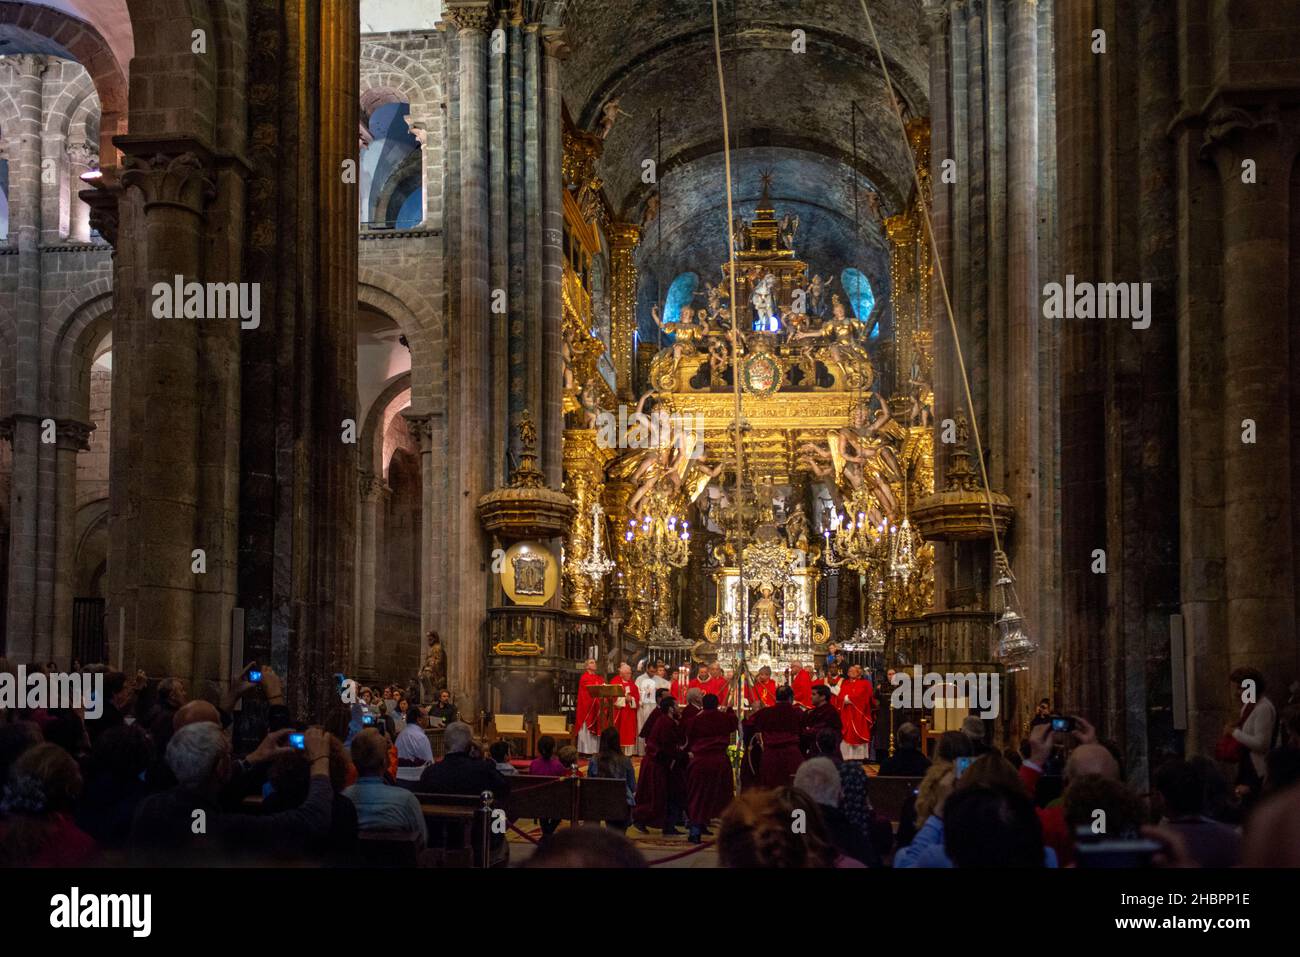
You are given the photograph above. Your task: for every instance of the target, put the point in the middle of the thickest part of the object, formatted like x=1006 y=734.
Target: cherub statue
x=589 y=399
x=817 y=289
x=608 y=114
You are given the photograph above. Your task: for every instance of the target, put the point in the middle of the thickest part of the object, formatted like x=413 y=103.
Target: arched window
x=392 y=171
x=680 y=293
x=861 y=299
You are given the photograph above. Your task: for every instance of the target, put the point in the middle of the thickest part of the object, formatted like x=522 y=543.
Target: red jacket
x=1056 y=833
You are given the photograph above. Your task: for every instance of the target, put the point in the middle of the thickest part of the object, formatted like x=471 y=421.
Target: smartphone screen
x=298 y=741
x=255 y=676
x=1062 y=724
x=962 y=764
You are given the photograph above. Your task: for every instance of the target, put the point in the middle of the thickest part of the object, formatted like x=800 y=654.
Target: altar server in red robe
x=661 y=787
x=858 y=713
x=763 y=691
x=709 y=781
x=823 y=714
x=586 y=717
x=801 y=681
x=625 y=708
x=779 y=726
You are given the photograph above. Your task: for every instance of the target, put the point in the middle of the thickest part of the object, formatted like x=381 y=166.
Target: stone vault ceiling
x=657 y=55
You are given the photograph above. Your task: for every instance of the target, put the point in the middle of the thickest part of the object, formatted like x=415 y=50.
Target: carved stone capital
x=83 y=154
x=421 y=426
x=28 y=64
x=1229 y=122
x=555 y=42
x=474 y=15
x=181 y=180
x=102 y=201
x=74 y=435
x=369 y=484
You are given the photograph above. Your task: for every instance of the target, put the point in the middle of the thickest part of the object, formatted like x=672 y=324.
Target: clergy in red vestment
x=709 y=783
x=625 y=708
x=857 y=702
x=586 y=717
x=779 y=726
x=661 y=787
x=717 y=684
x=701 y=680
x=823 y=714
x=801 y=681
x=763 y=690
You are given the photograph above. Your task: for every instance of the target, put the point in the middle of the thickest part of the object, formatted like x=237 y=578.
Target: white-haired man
x=819 y=778
x=166 y=828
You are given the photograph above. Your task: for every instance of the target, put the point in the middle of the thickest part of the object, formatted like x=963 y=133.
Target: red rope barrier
x=526 y=836
x=680 y=854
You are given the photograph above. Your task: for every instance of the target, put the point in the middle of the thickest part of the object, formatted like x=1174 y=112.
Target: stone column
x=369 y=487
x=471 y=403
x=429 y=430
x=81 y=159
x=73 y=437
x=533 y=162
x=172 y=191
x=24 y=138
x=1024 y=315
x=941 y=220
x=1257 y=474
x=623 y=239
x=499 y=151
x=551 y=418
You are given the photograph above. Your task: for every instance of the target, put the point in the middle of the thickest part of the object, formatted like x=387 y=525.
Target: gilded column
x=623 y=240
x=584 y=482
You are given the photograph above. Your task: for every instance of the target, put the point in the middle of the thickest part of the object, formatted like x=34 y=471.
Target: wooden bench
x=888 y=794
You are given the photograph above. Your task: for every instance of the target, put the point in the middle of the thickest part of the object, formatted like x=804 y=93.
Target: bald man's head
x=195 y=712
x=1091 y=759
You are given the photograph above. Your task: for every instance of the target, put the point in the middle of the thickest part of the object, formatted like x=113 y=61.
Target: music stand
x=605 y=695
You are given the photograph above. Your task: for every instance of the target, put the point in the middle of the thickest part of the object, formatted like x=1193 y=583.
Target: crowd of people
x=156 y=778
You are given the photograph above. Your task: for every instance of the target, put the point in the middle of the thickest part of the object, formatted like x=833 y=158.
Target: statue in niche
x=765 y=613
x=796 y=528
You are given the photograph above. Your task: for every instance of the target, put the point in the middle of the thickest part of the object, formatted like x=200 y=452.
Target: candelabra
x=661 y=544
x=597 y=564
